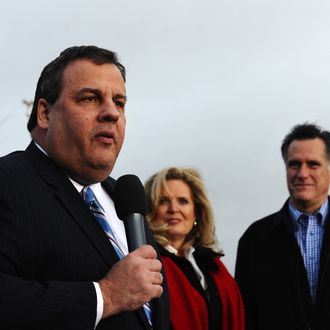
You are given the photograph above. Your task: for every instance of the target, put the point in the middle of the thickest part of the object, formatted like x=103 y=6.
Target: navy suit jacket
x=52 y=249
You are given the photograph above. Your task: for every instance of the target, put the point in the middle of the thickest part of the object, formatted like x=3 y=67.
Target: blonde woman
x=203 y=295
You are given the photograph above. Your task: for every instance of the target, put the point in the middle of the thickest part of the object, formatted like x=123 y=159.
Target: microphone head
x=130 y=196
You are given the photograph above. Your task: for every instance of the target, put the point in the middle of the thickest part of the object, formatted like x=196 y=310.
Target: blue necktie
x=99 y=214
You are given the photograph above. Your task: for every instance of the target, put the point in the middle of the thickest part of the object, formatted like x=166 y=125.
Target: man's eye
x=91 y=99
x=119 y=104
x=293 y=164
x=313 y=164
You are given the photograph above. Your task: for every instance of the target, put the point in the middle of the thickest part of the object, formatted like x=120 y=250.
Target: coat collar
x=283 y=218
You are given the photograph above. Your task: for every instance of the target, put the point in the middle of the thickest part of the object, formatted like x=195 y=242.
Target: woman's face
x=176 y=208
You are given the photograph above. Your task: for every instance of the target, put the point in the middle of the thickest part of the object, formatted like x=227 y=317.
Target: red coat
x=188 y=309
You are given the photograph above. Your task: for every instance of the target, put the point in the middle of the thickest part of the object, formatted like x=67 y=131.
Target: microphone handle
x=135 y=233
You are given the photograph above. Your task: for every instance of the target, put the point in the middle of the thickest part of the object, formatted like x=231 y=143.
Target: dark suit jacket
x=273 y=280
x=52 y=249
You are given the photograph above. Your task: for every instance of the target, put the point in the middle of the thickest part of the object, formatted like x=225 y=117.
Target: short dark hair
x=49 y=84
x=305 y=131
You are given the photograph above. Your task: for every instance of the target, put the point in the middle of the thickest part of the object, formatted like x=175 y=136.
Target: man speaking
x=64 y=262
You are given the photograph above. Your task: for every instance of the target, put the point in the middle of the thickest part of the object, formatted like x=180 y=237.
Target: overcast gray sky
x=213 y=84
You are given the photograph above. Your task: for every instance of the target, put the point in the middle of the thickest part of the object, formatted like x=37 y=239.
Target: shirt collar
x=40 y=148
x=95 y=187
x=322 y=212
x=172 y=249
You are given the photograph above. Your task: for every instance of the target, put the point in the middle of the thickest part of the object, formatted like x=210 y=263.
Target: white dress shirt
x=117 y=227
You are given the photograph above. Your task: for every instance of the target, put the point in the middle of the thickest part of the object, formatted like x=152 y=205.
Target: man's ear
x=43 y=114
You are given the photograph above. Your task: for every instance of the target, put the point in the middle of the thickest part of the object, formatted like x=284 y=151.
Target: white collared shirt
x=106 y=202
x=117 y=227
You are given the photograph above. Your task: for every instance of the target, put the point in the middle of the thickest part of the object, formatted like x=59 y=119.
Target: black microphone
x=130 y=205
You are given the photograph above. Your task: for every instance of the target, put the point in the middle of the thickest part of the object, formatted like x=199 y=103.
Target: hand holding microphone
x=135 y=279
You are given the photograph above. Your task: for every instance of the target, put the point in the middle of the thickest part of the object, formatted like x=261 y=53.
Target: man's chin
x=301 y=196
x=93 y=174
x=104 y=163
x=303 y=199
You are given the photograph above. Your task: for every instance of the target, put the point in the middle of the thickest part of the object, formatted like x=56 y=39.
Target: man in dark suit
x=282 y=264
x=58 y=268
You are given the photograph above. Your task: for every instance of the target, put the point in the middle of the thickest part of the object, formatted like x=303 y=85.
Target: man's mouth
x=302 y=185
x=105 y=137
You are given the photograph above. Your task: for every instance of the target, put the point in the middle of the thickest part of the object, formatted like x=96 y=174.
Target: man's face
x=85 y=127
x=307 y=174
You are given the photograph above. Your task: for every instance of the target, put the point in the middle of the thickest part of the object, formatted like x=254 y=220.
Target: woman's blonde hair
x=203 y=233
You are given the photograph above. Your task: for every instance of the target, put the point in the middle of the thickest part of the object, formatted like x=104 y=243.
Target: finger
x=155 y=265
x=158 y=292
x=146 y=251
x=158 y=279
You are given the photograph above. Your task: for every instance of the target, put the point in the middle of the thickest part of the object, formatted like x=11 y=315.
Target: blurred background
x=212 y=84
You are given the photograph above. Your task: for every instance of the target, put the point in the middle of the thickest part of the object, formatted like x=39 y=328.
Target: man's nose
x=303 y=171
x=109 y=112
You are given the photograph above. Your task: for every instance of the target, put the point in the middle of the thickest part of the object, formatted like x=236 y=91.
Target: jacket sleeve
x=244 y=280
x=31 y=302
x=45 y=305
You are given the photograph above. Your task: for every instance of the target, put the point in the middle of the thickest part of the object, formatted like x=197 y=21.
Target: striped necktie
x=99 y=214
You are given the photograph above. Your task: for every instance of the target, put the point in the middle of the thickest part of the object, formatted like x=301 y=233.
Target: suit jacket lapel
x=69 y=197
x=297 y=272
x=324 y=259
